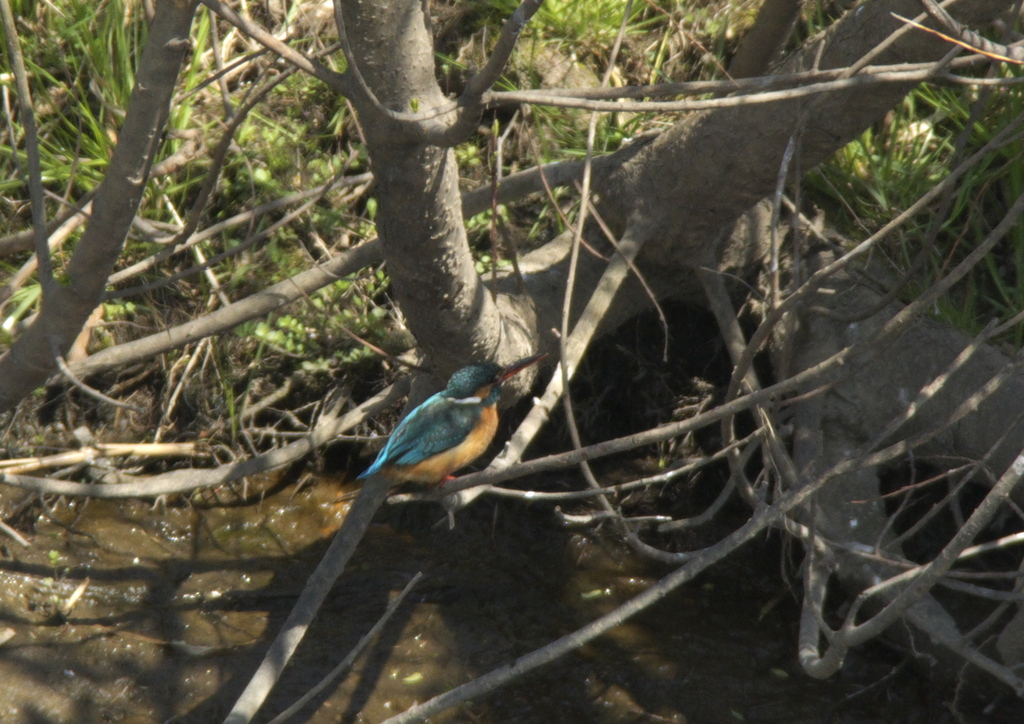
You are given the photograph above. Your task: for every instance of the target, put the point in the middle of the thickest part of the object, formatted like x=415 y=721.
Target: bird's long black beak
x=519 y=366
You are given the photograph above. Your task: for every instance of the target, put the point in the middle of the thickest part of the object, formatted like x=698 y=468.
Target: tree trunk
x=454 y=317
x=64 y=313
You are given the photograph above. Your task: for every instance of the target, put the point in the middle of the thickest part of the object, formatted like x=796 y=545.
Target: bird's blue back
x=437 y=425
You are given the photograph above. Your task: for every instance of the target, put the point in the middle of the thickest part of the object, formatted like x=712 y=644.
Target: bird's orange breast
x=437 y=467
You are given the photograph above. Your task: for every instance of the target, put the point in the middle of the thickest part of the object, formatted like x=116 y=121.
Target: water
x=182 y=600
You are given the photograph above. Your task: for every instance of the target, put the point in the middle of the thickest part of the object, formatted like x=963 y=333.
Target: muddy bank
x=177 y=603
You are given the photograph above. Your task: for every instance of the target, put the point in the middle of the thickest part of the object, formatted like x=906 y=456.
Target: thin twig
x=96 y=451
x=480 y=83
x=28 y=122
x=553 y=100
x=258 y=304
x=236 y=220
x=659 y=479
x=570 y=285
x=187 y=480
x=778 y=81
x=347 y=662
x=93 y=393
x=212 y=176
x=59 y=235
x=763 y=517
x=523 y=183
x=970 y=39
x=218 y=62
x=497 y=225
x=233 y=251
x=13 y=534
x=335 y=81
x=187 y=360
x=24 y=240
x=606 y=230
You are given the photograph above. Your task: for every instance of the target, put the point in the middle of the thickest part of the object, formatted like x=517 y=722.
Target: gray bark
x=63 y=313
x=764 y=41
x=694 y=188
x=452 y=314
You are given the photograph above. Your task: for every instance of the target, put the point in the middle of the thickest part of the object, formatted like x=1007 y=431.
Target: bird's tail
x=372 y=470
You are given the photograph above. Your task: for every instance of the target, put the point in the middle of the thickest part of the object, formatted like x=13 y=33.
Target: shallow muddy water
x=180 y=603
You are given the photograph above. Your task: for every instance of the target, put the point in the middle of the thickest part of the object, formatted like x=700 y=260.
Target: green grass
x=82 y=58
x=81 y=61
x=891 y=165
x=665 y=40
x=590 y=24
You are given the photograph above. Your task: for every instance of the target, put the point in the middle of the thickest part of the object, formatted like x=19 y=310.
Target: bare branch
x=34 y=177
x=337 y=82
x=745 y=86
x=186 y=480
x=23 y=240
x=57 y=237
x=346 y=663
x=763 y=42
x=95 y=451
x=30 y=360
x=236 y=220
x=310 y=199
x=489 y=74
x=538 y=98
x=357 y=520
x=500 y=472
x=95 y=394
x=659 y=479
x=257 y=305
x=971 y=39
x=523 y=183
x=217 y=159
x=13 y=534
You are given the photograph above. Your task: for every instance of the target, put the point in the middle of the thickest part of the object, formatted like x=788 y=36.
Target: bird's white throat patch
x=472 y=400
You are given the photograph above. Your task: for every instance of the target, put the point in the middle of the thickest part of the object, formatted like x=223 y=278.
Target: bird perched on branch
x=449 y=430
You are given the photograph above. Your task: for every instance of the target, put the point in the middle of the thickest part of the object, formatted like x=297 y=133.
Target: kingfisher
x=449 y=430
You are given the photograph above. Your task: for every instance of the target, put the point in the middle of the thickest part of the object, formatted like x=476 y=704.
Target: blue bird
x=451 y=429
